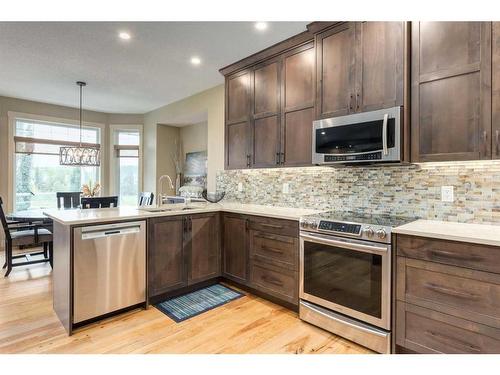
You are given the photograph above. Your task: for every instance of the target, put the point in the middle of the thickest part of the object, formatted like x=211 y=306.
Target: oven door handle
x=345 y=244
x=384 y=134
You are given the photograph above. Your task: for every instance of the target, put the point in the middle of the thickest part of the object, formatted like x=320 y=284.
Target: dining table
x=29 y=216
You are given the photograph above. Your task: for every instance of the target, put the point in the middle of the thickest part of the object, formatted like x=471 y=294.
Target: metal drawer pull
x=451 y=341
x=497 y=138
x=451 y=292
x=271 y=225
x=272 y=250
x=453 y=255
x=272 y=237
x=272 y=280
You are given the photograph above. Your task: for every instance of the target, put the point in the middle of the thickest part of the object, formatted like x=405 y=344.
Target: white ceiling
x=41 y=61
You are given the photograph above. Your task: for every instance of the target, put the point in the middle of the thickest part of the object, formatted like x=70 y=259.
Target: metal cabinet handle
x=485 y=138
x=271 y=225
x=357 y=101
x=248 y=160
x=384 y=134
x=497 y=138
x=282 y=158
x=350 y=102
x=452 y=341
x=453 y=255
x=278 y=159
x=272 y=280
x=271 y=249
x=451 y=292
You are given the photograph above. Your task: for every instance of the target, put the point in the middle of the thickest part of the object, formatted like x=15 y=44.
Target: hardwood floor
x=247 y=325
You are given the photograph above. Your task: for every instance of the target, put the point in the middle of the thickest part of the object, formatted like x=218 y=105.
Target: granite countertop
x=484 y=234
x=102 y=215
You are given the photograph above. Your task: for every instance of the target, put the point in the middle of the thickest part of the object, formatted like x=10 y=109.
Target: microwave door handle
x=384 y=134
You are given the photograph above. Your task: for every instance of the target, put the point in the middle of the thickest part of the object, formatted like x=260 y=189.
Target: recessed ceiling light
x=195 y=60
x=261 y=26
x=124 y=35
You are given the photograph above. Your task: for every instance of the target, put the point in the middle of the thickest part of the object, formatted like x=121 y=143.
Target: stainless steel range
x=345 y=275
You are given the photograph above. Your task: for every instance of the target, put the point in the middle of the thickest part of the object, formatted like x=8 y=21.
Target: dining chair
x=22 y=235
x=146 y=198
x=99 y=202
x=68 y=199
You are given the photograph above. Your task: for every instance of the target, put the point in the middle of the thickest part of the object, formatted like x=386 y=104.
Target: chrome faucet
x=159 y=198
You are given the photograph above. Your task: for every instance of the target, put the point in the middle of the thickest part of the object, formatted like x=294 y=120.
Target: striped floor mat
x=197 y=302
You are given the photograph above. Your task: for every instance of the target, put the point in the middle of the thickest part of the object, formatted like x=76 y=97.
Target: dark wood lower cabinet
x=255 y=252
x=166 y=271
x=182 y=251
x=235 y=250
x=203 y=248
x=445 y=301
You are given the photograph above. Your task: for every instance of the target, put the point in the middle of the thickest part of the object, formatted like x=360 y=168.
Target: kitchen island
x=183 y=248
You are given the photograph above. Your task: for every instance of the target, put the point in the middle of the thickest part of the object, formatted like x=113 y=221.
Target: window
x=37 y=173
x=126 y=164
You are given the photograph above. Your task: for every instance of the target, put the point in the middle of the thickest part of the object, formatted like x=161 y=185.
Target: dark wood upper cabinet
x=235 y=251
x=237 y=145
x=203 y=247
x=495 y=85
x=266 y=141
x=266 y=109
x=335 y=69
x=266 y=89
x=298 y=106
x=451 y=91
x=298 y=78
x=166 y=254
x=379 y=65
x=238 y=97
x=238 y=120
x=360 y=67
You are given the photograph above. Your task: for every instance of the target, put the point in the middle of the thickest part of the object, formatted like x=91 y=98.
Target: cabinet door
x=238 y=117
x=495 y=84
x=266 y=109
x=298 y=106
x=235 y=252
x=166 y=266
x=451 y=91
x=335 y=53
x=237 y=139
x=379 y=65
x=203 y=248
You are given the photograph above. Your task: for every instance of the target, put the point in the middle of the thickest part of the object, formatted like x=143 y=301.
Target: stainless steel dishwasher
x=109 y=268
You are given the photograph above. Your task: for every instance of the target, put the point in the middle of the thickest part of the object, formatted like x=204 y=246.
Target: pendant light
x=83 y=154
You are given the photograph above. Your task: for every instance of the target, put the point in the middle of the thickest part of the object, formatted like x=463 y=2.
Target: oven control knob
x=368 y=232
x=381 y=233
x=312 y=224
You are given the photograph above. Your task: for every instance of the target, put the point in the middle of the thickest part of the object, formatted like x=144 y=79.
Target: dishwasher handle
x=115 y=231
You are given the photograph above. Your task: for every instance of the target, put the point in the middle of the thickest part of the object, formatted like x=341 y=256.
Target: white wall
x=209 y=103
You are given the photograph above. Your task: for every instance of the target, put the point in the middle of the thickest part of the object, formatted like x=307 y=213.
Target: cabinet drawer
x=427 y=331
x=462 y=254
x=277 y=226
x=470 y=294
x=281 y=249
x=278 y=282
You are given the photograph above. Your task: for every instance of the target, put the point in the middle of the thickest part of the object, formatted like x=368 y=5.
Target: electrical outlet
x=447 y=194
x=240 y=186
x=286 y=188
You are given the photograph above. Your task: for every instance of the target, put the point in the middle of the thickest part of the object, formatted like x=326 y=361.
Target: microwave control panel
x=370 y=156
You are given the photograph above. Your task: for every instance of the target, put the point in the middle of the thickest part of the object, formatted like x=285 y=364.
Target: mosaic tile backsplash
x=406 y=190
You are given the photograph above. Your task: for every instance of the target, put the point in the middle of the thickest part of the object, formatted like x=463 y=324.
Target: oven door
x=358 y=138
x=351 y=277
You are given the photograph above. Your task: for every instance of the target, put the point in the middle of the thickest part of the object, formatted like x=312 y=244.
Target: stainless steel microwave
x=367 y=137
